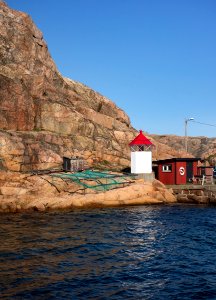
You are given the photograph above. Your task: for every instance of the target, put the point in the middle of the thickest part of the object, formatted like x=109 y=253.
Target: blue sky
x=156 y=59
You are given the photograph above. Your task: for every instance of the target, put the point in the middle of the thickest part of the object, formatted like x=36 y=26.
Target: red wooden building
x=206 y=170
x=176 y=170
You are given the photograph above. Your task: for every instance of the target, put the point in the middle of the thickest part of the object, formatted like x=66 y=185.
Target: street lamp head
x=189 y=119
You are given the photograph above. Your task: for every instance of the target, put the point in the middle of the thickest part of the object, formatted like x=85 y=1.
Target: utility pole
x=186 y=137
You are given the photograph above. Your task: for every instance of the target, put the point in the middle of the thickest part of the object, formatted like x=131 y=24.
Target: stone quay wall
x=195 y=194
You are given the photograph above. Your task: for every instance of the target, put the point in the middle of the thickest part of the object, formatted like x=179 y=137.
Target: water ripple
x=148 y=252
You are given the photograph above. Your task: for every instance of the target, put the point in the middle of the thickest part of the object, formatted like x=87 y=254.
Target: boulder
x=169 y=197
x=183 y=199
x=39 y=207
x=158 y=184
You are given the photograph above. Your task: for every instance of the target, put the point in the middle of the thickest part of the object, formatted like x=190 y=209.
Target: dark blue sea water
x=145 y=252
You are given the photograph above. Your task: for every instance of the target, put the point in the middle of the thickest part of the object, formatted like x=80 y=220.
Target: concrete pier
x=201 y=194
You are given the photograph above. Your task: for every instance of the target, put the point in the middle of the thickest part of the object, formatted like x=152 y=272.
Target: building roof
x=175 y=159
x=141 y=140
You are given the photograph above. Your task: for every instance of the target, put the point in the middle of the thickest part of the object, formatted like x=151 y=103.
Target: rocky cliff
x=44 y=116
x=197 y=146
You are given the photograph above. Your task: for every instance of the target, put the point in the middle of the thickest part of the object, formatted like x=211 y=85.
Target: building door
x=189 y=171
x=66 y=164
x=155 y=170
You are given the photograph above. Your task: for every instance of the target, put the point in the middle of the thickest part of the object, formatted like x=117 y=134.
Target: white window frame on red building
x=167 y=168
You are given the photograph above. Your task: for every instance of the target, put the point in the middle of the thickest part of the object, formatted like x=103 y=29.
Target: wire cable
x=204 y=124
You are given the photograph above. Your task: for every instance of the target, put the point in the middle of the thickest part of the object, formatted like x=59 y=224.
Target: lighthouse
x=141 y=155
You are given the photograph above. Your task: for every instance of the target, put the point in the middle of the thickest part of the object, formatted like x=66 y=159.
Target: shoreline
x=26 y=193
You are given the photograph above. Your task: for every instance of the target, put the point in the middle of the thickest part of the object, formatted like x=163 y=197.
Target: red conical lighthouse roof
x=141 y=140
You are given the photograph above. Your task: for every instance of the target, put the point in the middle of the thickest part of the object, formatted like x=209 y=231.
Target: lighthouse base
x=147 y=177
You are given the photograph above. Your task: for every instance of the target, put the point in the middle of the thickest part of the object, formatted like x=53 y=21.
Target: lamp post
x=186 y=123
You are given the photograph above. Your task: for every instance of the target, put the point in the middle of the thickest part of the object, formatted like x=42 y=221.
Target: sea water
x=145 y=252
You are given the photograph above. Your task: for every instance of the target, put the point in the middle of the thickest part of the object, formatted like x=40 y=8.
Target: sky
x=156 y=59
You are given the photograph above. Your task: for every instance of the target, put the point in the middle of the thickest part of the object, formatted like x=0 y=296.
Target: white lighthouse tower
x=141 y=155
